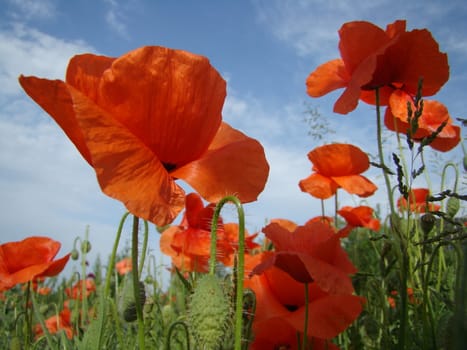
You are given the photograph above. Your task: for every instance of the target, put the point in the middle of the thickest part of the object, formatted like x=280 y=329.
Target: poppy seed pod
x=427 y=222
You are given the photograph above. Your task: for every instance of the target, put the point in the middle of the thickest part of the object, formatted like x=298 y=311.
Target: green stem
x=136 y=286
x=240 y=261
x=185 y=329
x=111 y=266
x=41 y=322
x=379 y=135
x=144 y=250
x=28 y=316
x=84 y=294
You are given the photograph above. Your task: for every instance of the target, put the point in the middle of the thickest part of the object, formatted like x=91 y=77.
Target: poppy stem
x=240 y=269
x=111 y=266
x=379 y=134
x=136 y=285
x=144 y=250
x=28 y=316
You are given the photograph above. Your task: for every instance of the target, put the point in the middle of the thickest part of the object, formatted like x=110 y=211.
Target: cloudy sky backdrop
x=265 y=49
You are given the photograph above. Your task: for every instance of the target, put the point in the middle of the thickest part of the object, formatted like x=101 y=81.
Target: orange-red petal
x=356 y=184
x=338 y=160
x=234 y=164
x=318 y=186
x=126 y=169
x=170 y=99
x=326 y=78
x=54 y=97
x=329 y=315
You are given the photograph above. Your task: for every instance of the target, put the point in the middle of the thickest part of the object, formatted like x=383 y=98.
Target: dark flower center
x=169 y=167
x=291 y=308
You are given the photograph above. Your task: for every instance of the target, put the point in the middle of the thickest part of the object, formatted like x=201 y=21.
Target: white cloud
x=31 y=9
x=310 y=26
x=28 y=51
x=115 y=18
x=47 y=188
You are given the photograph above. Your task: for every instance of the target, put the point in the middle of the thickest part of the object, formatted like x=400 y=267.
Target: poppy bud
x=452 y=206
x=85 y=246
x=15 y=343
x=209 y=312
x=127 y=302
x=75 y=254
x=427 y=222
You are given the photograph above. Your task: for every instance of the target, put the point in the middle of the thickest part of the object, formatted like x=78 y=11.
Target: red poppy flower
x=280 y=304
x=311 y=253
x=148 y=118
x=189 y=244
x=433 y=115
x=124 y=266
x=28 y=260
x=57 y=323
x=324 y=219
x=376 y=58
x=361 y=216
x=76 y=292
x=338 y=165
x=418 y=201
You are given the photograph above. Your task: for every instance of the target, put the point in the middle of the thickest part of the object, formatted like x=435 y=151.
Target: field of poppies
x=357 y=278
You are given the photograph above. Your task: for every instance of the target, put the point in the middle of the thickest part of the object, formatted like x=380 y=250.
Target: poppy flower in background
x=433 y=115
x=385 y=59
x=361 y=216
x=57 y=323
x=280 y=308
x=29 y=259
x=338 y=165
x=418 y=201
x=310 y=253
x=189 y=243
x=124 y=266
x=76 y=291
x=148 y=118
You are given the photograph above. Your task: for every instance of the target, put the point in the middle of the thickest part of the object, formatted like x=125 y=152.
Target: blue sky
x=265 y=49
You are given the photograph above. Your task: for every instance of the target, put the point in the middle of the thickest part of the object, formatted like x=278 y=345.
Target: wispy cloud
x=115 y=18
x=24 y=50
x=310 y=26
x=31 y=9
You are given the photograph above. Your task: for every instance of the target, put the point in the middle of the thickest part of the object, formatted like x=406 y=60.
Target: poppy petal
x=339 y=159
x=328 y=316
x=233 y=165
x=84 y=73
x=359 y=40
x=170 y=99
x=318 y=186
x=326 y=78
x=126 y=169
x=356 y=184
x=55 y=267
x=54 y=97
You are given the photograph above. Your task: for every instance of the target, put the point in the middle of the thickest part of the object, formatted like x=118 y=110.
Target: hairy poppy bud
x=210 y=311
x=127 y=302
